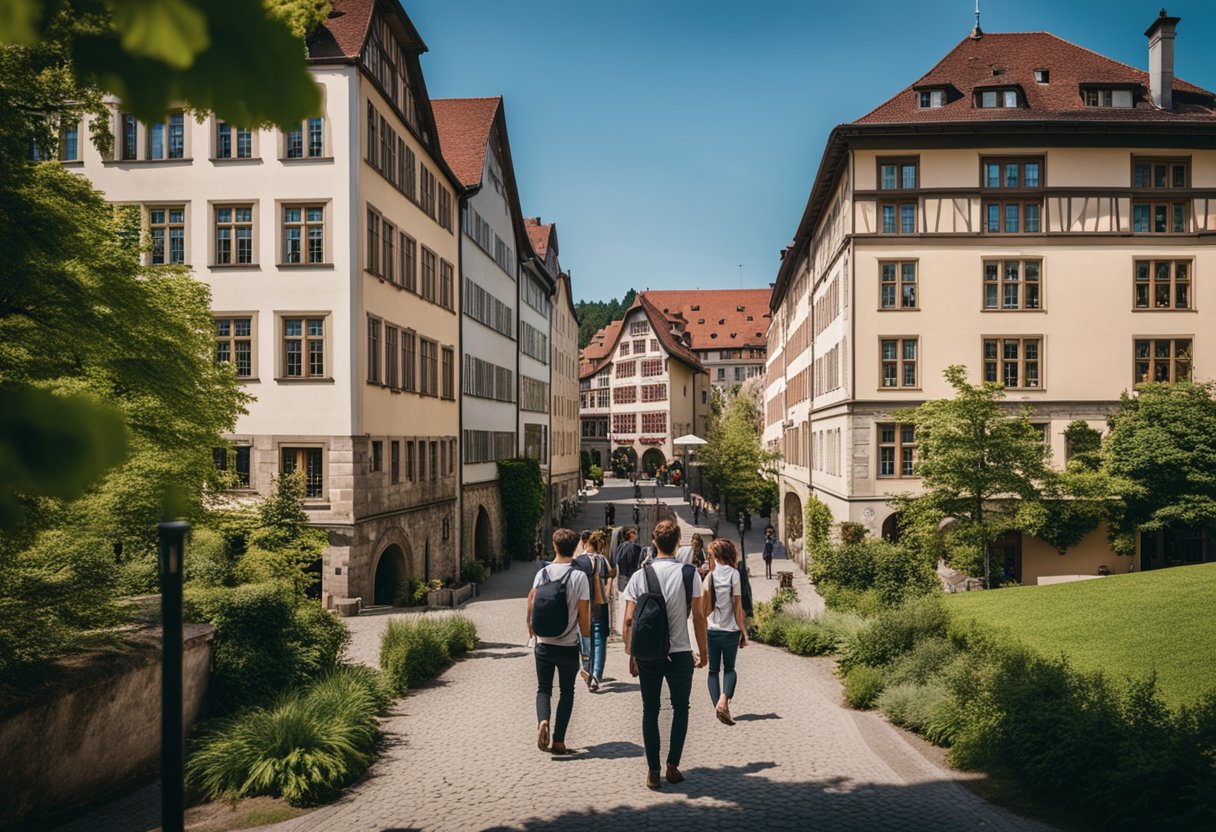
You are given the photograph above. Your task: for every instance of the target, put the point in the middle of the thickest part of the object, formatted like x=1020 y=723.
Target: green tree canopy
x=733 y=460
x=594 y=315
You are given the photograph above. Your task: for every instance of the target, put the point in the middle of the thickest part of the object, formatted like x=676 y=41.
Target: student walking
x=558 y=612
x=658 y=601
x=626 y=559
x=599 y=574
x=770 y=538
x=722 y=599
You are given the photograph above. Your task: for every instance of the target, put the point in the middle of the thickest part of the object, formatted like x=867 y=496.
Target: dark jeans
x=723 y=648
x=677 y=670
x=565 y=661
x=768 y=567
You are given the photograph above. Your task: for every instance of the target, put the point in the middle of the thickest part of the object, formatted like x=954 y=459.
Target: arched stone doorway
x=791 y=510
x=890 y=528
x=483 y=537
x=390 y=572
x=653 y=460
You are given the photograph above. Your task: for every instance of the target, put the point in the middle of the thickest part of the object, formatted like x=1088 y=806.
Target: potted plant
x=437 y=596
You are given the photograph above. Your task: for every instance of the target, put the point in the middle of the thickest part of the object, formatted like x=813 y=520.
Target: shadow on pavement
x=756 y=717
x=606 y=751
x=517 y=654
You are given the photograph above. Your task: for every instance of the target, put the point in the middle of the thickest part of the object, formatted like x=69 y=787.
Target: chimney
x=1161 y=59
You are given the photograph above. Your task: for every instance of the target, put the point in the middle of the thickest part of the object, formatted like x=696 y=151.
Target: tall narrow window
x=449 y=373
x=899 y=362
x=373 y=241
x=897 y=285
x=409 y=263
x=69 y=141
x=392 y=376
x=234 y=235
x=167 y=229
x=1014 y=362
x=388 y=262
x=130 y=137
x=234 y=344
x=309 y=462
x=896 y=450
x=394 y=461
x=428 y=274
x=373 y=350
x=303 y=348
x=303 y=234
x=447 y=285
x=294 y=143
x=316 y=132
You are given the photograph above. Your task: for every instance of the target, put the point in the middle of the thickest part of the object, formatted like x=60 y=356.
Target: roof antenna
x=740 y=275
x=977 y=32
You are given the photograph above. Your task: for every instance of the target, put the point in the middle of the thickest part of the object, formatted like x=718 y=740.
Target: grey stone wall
x=476 y=496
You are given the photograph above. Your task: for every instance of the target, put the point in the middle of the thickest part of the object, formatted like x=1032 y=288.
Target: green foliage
x=1162 y=446
x=895 y=632
x=852 y=533
x=411 y=593
x=870 y=573
x=596 y=474
x=930 y=656
x=818 y=522
x=863 y=602
x=266 y=640
x=302 y=17
x=916 y=706
x=522 y=492
x=594 y=315
x=413 y=651
x=210 y=560
x=970 y=452
x=305 y=748
x=733 y=460
x=862 y=686
x=472 y=571
x=1084 y=445
x=784 y=595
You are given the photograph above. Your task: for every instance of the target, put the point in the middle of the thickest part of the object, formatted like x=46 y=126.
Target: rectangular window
x=316 y=133
x=1013 y=217
x=896 y=450
x=897 y=174
x=1163 y=360
x=304 y=348
x=654 y=424
x=1159 y=217
x=434 y=459
x=1163 y=284
x=652 y=367
x=167 y=139
x=1011 y=174
x=624 y=395
x=988 y=99
x=394 y=461
x=447 y=285
x=429 y=261
x=409 y=262
x=931 y=99
x=228 y=148
x=624 y=349
x=898 y=362
x=428 y=367
x=307 y=460
x=373 y=242
x=1014 y=363
x=238 y=457
x=409 y=460
x=303 y=234
x=234 y=344
x=426 y=200
x=234 y=235
x=69 y=141
x=449 y=373
x=392 y=376
x=897 y=284
x=130 y=137
x=409 y=360
x=899 y=219
x=626 y=369
x=624 y=423
x=377 y=455
x=637 y=328
x=167 y=229
x=373 y=134
x=1013 y=284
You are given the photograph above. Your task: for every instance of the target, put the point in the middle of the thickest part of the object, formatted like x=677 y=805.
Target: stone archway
x=653 y=460
x=890 y=528
x=791 y=511
x=390 y=572
x=483 y=537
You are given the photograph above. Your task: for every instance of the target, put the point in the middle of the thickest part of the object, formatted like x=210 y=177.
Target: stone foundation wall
x=475 y=497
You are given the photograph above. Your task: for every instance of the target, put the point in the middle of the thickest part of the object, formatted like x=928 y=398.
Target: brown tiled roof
x=659 y=323
x=602 y=347
x=539 y=234
x=718 y=318
x=464 y=130
x=602 y=342
x=976 y=62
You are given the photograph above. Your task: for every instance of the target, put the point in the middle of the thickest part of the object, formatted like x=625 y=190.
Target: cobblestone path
x=461 y=754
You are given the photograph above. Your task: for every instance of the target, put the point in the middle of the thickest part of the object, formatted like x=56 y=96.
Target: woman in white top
x=722 y=600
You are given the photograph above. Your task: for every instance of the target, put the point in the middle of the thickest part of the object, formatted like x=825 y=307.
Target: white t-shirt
x=727 y=586
x=577 y=589
x=670 y=573
x=684 y=555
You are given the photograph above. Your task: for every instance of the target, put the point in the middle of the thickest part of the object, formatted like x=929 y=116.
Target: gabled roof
x=718 y=318
x=542 y=234
x=602 y=342
x=661 y=326
x=599 y=353
x=464 y=132
x=1009 y=59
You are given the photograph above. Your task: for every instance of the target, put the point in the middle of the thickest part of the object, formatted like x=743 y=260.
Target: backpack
x=651 y=639
x=550 y=610
x=628 y=558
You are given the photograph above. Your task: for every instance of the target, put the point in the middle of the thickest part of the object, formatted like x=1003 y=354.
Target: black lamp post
x=172 y=755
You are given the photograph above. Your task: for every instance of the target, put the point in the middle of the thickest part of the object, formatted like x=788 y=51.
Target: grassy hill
x=1123 y=625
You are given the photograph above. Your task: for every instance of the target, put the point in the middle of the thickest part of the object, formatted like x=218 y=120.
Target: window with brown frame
x=234 y=343
x=1012 y=173
x=654 y=392
x=1163 y=284
x=392 y=373
x=447 y=285
x=303 y=347
x=1112 y=98
x=303 y=234
x=234 y=235
x=429 y=265
x=1157 y=174
x=373 y=350
x=626 y=369
x=409 y=360
x=1013 y=285
x=1159 y=217
x=1164 y=360
x=898 y=174
x=899 y=359
x=624 y=348
x=1014 y=216
x=898 y=218
x=652 y=367
x=998 y=98
x=449 y=373
x=896 y=451
x=310 y=462
x=1015 y=363
x=897 y=284
x=624 y=395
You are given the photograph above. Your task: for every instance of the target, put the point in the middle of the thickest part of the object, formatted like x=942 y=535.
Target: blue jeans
x=723 y=648
x=595 y=647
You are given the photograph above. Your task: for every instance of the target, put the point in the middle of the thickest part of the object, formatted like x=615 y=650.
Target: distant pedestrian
x=658 y=602
x=610 y=515
x=722 y=598
x=599 y=572
x=558 y=611
x=626 y=559
x=696 y=511
x=770 y=538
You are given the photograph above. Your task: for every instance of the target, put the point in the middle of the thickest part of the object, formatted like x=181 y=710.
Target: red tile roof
x=602 y=342
x=538 y=234
x=599 y=352
x=662 y=328
x=464 y=130
x=718 y=318
x=975 y=62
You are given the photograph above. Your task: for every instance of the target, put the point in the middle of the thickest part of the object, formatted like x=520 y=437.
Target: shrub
x=925 y=661
x=305 y=748
x=818 y=521
x=845 y=565
x=460 y=633
x=266 y=640
x=472 y=571
x=852 y=533
x=893 y=573
x=862 y=685
x=809 y=638
x=413 y=651
x=773 y=628
x=895 y=632
x=784 y=595
x=596 y=475
x=411 y=593
x=863 y=602
x=911 y=705
x=210 y=559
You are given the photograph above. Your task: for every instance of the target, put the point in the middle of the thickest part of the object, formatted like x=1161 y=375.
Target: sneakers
x=653 y=781
x=542 y=736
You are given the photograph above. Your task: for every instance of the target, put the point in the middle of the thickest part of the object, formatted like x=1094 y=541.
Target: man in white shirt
x=675 y=580
x=560 y=652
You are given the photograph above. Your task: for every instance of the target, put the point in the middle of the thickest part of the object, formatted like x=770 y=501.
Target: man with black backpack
x=658 y=601
x=558 y=612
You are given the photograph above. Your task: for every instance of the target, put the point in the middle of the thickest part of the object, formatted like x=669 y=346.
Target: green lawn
x=1124 y=625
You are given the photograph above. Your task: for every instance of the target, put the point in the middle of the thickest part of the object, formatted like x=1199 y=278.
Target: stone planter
x=462 y=594
x=437 y=598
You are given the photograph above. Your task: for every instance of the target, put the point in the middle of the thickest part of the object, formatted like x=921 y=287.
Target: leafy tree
x=1162 y=445
x=734 y=462
x=978 y=466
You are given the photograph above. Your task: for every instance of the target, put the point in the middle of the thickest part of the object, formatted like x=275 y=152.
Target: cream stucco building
x=565 y=477
x=331 y=252
x=1030 y=209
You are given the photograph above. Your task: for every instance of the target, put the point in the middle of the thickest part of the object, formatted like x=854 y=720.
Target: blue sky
x=673 y=140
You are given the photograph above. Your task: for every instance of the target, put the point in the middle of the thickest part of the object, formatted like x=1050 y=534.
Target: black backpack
x=650 y=638
x=628 y=558
x=550 y=611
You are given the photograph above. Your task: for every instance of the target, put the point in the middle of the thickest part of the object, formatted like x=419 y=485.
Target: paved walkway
x=461 y=754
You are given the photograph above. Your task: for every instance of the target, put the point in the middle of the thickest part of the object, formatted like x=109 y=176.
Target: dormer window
x=1112 y=98
x=696 y=307
x=1042 y=76
x=931 y=99
x=997 y=99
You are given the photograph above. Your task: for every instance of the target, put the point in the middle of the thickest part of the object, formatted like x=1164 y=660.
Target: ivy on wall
x=522 y=492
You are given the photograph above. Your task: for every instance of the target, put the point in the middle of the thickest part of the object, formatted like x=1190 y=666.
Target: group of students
x=570 y=616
